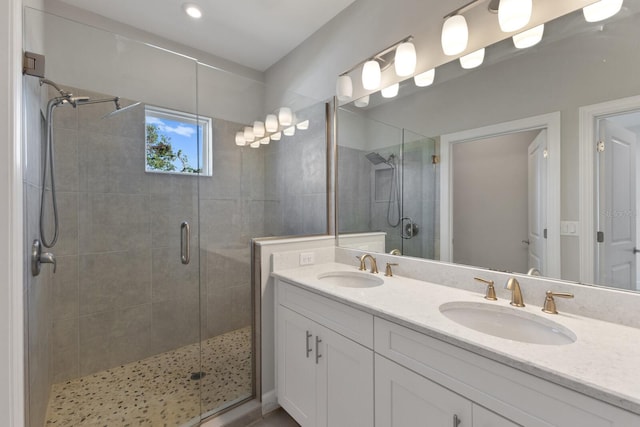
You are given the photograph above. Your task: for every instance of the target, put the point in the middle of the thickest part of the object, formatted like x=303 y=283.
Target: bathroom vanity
x=360 y=349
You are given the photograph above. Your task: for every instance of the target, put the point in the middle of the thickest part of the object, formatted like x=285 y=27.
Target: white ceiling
x=253 y=33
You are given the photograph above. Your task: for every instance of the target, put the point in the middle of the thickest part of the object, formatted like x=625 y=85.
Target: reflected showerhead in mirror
x=376 y=159
x=119 y=108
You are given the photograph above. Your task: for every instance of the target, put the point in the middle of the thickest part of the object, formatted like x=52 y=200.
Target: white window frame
x=188 y=118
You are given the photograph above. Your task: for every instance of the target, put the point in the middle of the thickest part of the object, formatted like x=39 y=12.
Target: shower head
x=376 y=158
x=120 y=109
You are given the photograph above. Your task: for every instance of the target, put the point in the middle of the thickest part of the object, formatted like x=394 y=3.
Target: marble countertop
x=601 y=363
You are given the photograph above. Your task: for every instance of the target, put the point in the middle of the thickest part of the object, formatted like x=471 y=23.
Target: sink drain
x=197 y=375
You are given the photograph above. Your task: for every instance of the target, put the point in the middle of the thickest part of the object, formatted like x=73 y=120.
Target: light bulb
x=265 y=141
x=528 y=38
x=271 y=123
x=514 y=14
x=290 y=131
x=285 y=116
x=276 y=136
x=371 y=75
x=255 y=144
x=304 y=125
x=344 y=88
x=362 y=102
x=258 y=129
x=455 y=35
x=240 y=141
x=405 y=61
x=390 y=91
x=601 y=10
x=248 y=134
x=425 y=79
x=192 y=10
x=472 y=60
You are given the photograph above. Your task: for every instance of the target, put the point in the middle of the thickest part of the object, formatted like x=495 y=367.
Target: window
x=171 y=142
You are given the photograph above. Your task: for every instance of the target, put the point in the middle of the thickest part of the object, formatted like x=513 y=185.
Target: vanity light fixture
x=390 y=91
x=425 y=79
x=514 y=14
x=371 y=75
x=405 y=59
x=276 y=136
x=240 y=141
x=528 y=38
x=265 y=141
x=258 y=129
x=249 y=136
x=344 y=88
x=255 y=144
x=472 y=60
x=362 y=102
x=192 y=10
x=304 y=125
x=285 y=116
x=455 y=35
x=290 y=131
x=271 y=123
x=601 y=10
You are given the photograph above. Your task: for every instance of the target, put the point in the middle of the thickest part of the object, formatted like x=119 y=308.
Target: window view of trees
x=161 y=155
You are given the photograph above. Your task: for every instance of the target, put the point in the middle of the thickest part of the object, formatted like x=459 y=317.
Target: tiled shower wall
x=38 y=290
x=121 y=292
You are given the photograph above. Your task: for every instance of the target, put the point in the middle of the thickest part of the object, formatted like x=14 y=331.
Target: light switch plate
x=569 y=228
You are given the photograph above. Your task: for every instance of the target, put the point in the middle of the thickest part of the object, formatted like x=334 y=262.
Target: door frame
x=589 y=115
x=550 y=122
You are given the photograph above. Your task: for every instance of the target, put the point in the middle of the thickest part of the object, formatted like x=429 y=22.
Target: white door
x=345 y=382
x=406 y=399
x=616 y=206
x=537 y=196
x=296 y=366
x=484 y=418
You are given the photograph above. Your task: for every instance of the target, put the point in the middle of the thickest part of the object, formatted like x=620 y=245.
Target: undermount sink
x=350 y=279
x=509 y=323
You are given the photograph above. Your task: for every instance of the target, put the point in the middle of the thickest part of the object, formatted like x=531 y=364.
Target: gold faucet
x=363 y=263
x=516 y=293
x=490 y=293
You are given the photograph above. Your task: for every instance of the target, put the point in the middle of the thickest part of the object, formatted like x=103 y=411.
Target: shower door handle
x=185 y=242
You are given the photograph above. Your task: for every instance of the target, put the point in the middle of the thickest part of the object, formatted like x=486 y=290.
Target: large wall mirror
x=499 y=166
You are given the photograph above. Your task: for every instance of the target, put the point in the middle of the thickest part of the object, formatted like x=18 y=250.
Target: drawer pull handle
x=318 y=355
x=308 y=347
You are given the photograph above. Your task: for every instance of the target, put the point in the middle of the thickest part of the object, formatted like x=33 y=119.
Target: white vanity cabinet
x=324 y=378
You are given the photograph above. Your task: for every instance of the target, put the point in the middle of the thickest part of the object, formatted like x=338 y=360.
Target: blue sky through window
x=184 y=137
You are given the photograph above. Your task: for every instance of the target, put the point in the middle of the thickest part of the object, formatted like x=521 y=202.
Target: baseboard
x=269 y=402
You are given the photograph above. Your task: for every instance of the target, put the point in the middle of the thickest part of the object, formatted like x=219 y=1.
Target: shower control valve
x=38 y=258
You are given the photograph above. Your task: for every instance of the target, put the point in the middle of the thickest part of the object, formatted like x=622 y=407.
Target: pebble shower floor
x=158 y=391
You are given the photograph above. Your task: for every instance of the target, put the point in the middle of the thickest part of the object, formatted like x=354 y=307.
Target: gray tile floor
x=278 y=418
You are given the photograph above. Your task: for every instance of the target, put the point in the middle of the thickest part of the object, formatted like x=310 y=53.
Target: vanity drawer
x=520 y=397
x=341 y=318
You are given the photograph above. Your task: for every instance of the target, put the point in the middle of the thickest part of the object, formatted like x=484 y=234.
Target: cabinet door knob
x=318 y=355
x=308 y=347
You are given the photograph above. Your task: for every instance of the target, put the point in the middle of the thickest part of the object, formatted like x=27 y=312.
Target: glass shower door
x=114 y=334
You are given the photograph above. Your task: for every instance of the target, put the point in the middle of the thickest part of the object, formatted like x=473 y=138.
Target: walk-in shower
x=393 y=217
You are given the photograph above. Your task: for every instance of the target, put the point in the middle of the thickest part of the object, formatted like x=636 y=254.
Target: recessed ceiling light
x=192 y=10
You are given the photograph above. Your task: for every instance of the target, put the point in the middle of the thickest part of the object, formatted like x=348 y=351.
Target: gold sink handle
x=550 y=303
x=490 y=293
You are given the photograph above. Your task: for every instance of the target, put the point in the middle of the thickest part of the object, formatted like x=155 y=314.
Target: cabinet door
x=345 y=382
x=484 y=418
x=406 y=399
x=296 y=366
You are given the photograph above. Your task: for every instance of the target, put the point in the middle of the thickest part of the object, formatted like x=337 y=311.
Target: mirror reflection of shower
x=48 y=165
x=393 y=217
